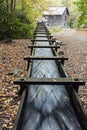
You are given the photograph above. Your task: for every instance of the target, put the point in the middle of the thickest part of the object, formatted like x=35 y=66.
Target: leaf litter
x=12 y=66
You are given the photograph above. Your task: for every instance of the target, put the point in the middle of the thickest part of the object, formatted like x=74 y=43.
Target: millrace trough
x=49 y=97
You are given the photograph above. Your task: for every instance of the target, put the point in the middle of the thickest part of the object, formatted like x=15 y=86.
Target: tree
x=67 y=3
x=81 y=20
x=18 y=18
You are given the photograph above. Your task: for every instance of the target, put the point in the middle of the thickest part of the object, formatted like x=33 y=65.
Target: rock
x=61 y=53
x=15 y=71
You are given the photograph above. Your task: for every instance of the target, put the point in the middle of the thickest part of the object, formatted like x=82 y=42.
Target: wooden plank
x=45 y=58
x=61 y=59
x=33 y=46
x=43 y=36
x=46 y=36
x=51 y=41
x=50 y=81
x=19 y=116
x=41 y=33
x=42 y=40
x=40 y=30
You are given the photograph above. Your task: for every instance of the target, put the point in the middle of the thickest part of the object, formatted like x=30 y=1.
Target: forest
x=18 y=17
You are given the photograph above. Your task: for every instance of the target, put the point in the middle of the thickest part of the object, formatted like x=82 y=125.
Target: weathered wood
x=53 y=46
x=19 y=116
x=45 y=58
x=54 y=19
x=49 y=36
x=42 y=33
x=40 y=36
x=75 y=101
x=50 y=46
x=41 y=30
x=51 y=81
x=40 y=40
x=61 y=59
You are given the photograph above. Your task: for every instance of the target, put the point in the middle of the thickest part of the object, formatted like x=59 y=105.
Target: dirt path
x=75 y=49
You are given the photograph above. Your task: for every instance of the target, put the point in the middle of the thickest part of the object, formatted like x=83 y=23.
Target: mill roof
x=55 y=10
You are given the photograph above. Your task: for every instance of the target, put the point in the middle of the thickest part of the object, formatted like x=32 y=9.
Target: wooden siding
x=57 y=20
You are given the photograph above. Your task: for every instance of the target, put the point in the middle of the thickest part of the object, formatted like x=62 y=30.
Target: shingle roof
x=55 y=10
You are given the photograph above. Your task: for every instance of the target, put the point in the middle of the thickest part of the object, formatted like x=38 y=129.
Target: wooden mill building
x=56 y=16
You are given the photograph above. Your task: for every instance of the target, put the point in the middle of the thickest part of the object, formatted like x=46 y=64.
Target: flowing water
x=48 y=107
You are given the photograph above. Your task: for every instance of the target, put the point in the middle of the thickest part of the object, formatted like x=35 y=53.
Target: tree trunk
x=14 y=5
x=11 y=6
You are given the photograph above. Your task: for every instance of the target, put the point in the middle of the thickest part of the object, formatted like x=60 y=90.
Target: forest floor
x=75 y=49
x=11 y=58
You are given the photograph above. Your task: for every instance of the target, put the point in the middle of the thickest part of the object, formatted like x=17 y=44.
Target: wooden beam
x=40 y=30
x=50 y=46
x=62 y=59
x=43 y=40
x=53 y=46
x=42 y=33
x=43 y=36
x=50 y=81
x=46 y=36
x=45 y=58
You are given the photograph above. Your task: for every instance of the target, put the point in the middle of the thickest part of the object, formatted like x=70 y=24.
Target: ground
x=11 y=56
x=75 y=49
